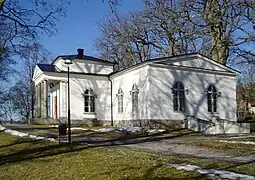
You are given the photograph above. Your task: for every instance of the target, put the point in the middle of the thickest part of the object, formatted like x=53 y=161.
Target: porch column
x=36 y=101
x=45 y=100
x=39 y=100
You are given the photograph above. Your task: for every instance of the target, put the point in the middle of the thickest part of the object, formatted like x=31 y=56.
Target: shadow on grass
x=46 y=150
x=150 y=174
x=129 y=138
x=20 y=141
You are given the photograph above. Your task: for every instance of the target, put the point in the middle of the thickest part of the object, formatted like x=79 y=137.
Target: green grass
x=226 y=147
x=25 y=159
x=252 y=139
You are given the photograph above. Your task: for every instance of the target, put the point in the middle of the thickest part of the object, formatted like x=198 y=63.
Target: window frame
x=212 y=99
x=179 y=97
x=134 y=98
x=120 y=97
x=89 y=101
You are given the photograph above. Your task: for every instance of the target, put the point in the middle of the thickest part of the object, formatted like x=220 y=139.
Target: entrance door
x=55 y=107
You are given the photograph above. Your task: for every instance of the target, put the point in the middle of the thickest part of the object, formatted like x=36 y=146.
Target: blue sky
x=79 y=29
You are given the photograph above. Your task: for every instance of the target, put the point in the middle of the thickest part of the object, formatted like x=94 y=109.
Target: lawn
x=25 y=159
x=251 y=139
x=224 y=146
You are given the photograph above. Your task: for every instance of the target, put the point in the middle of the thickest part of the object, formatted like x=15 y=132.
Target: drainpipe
x=111 y=102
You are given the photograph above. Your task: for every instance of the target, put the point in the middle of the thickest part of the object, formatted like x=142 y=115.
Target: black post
x=68 y=116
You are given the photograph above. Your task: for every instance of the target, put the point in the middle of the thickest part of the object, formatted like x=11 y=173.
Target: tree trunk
x=215 y=22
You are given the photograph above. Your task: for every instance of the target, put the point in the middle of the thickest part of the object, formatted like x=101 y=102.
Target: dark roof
x=53 y=68
x=46 y=67
x=89 y=58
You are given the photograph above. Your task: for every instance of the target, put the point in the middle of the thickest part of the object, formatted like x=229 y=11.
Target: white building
x=190 y=91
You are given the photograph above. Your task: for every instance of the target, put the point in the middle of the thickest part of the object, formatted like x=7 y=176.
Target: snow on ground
x=54 y=125
x=21 y=134
x=155 y=131
x=124 y=129
x=129 y=129
x=78 y=128
x=237 y=142
x=212 y=172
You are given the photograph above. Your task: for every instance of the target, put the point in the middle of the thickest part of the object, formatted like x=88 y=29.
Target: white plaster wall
x=125 y=80
x=78 y=85
x=85 y=66
x=196 y=62
x=161 y=97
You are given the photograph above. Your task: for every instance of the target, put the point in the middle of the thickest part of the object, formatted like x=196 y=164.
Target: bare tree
x=22 y=22
x=161 y=29
x=223 y=30
x=32 y=54
x=229 y=24
x=246 y=89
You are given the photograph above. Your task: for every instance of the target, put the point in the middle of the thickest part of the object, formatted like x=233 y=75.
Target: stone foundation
x=216 y=126
x=151 y=124
x=44 y=121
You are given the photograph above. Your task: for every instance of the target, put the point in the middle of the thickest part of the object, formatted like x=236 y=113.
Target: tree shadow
x=56 y=149
x=20 y=141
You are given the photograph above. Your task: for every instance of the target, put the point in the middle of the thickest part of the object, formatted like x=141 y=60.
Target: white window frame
x=89 y=104
x=134 y=98
x=179 y=98
x=120 y=97
x=212 y=93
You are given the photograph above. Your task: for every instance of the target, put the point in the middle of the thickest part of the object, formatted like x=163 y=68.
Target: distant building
x=189 y=91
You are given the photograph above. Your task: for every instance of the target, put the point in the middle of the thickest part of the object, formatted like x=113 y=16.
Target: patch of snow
x=2 y=128
x=15 y=133
x=78 y=128
x=237 y=142
x=124 y=129
x=54 y=125
x=212 y=172
x=21 y=134
x=132 y=129
x=128 y=129
x=107 y=130
x=155 y=131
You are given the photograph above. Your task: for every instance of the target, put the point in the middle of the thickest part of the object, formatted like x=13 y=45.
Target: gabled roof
x=88 y=58
x=180 y=57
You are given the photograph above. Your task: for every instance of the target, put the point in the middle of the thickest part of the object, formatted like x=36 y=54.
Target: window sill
x=176 y=111
x=89 y=113
x=214 y=113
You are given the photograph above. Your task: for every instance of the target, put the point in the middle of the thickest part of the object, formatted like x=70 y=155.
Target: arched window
x=212 y=98
x=134 y=94
x=120 y=101
x=178 y=97
x=89 y=101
